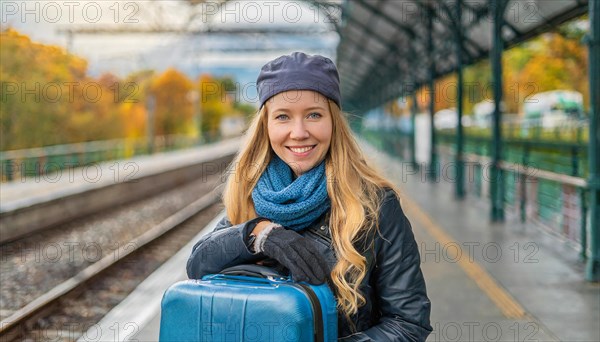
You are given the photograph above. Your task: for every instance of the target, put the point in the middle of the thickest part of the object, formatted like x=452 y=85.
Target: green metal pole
x=583 y=226
x=583 y=210
x=413 y=143
x=593 y=265
x=497 y=201
x=9 y=169
x=433 y=170
x=523 y=185
x=460 y=179
x=414 y=108
x=150 y=107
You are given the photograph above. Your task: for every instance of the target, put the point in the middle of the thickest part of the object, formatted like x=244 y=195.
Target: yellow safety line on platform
x=505 y=302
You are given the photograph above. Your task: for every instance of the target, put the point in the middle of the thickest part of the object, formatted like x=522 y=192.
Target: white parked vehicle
x=445 y=119
x=553 y=108
x=448 y=119
x=483 y=112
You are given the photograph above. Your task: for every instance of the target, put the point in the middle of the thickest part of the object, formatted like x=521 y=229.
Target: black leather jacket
x=397 y=307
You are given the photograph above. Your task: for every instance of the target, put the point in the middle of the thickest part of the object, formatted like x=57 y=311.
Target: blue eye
x=281 y=117
x=314 y=115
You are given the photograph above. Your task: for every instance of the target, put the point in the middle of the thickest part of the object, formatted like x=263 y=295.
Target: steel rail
x=10 y=327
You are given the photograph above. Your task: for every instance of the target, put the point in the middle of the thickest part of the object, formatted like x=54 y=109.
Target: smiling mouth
x=301 y=149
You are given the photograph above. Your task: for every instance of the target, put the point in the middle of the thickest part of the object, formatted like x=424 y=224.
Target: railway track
x=53 y=288
x=69 y=309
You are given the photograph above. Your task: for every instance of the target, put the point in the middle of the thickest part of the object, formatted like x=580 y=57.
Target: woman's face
x=300 y=128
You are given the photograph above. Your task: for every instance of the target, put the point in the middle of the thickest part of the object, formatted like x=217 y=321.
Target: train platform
x=34 y=203
x=486 y=281
x=493 y=281
x=35 y=190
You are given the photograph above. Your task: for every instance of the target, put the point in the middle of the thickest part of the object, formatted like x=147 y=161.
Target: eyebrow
x=307 y=109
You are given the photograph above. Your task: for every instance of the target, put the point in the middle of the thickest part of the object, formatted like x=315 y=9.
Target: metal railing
x=36 y=162
x=543 y=180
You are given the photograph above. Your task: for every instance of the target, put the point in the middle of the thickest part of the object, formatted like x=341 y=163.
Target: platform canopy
x=384 y=50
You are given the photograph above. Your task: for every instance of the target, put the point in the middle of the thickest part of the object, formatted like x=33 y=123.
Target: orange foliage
x=174 y=108
x=134 y=116
x=49 y=97
x=551 y=61
x=556 y=63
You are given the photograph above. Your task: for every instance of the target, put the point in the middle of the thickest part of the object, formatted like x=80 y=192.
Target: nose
x=299 y=131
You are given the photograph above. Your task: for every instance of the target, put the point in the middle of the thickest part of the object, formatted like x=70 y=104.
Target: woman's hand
x=297 y=254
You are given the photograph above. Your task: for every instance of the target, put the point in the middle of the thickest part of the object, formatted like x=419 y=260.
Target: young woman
x=300 y=193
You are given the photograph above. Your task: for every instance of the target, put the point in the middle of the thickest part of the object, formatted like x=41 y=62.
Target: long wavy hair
x=353 y=186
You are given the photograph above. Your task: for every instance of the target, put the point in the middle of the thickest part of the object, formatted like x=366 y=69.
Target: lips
x=301 y=149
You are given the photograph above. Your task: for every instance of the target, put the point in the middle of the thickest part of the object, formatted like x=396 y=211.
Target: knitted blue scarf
x=293 y=203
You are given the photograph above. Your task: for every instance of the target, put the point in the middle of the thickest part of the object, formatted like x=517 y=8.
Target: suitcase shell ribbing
x=233 y=308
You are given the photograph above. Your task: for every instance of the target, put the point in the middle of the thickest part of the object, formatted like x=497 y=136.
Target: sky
x=192 y=53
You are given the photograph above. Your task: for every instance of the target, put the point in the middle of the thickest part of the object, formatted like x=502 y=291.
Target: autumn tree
x=38 y=89
x=554 y=60
x=173 y=107
x=48 y=98
x=551 y=62
x=134 y=92
x=215 y=103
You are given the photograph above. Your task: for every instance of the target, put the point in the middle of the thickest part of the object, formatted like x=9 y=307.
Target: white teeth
x=301 y=149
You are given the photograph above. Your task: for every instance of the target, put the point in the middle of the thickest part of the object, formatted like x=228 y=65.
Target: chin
x=299 y=168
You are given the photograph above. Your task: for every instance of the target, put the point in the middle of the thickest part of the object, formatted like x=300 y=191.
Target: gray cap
x=299 y=71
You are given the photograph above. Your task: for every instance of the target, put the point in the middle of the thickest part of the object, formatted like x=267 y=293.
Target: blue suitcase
x=248 y=303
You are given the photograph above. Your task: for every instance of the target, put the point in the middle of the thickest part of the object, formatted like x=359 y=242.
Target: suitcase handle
x=257 y=271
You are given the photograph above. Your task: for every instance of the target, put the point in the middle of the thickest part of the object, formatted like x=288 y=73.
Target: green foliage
x=228 y=84
x=245 y=109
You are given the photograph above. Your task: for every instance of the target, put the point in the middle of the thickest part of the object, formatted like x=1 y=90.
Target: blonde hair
x=354 y=214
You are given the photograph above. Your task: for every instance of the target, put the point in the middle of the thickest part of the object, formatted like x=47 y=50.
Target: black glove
x=297 y=254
